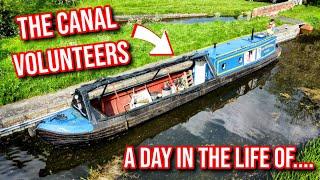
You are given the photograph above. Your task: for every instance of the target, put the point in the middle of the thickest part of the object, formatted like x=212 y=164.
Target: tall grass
x=310 y=153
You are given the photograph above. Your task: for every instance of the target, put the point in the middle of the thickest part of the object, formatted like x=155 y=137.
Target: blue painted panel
x=237 y=45
x=268 y=49
x=232 y=63
x=231 y=59
x=69 y=121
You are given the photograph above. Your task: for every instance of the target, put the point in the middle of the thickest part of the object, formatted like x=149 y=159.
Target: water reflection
x=253 y=117
x=256 y=117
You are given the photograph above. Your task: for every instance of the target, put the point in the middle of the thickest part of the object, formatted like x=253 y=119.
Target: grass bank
x=183 y=37
x=310 y=153
x=227 y=8
x=309 y=14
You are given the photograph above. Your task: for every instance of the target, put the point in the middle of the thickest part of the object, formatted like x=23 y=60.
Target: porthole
x=223 y=66
x=240 y=60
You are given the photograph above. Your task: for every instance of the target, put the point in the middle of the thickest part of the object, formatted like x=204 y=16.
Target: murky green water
x=263 y=108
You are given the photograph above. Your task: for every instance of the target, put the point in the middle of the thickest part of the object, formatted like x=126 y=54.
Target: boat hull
x=111 y=127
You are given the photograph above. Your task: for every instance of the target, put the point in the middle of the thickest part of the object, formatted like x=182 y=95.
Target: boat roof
x=240 y=43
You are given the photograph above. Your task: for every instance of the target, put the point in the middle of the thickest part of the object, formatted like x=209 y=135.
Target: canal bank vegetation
x=300 y=66
x=112 y=170
x=309 y=153
x=183 y=37
x=313 y=94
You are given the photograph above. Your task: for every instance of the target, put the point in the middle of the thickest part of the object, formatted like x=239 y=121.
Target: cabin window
x=224 y=65
x=240 y=60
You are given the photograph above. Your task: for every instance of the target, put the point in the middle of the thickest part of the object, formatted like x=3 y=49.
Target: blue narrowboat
x=112 y=105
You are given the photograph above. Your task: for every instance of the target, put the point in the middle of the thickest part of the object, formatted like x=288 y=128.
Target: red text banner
x=213 y=158
x=69 y=58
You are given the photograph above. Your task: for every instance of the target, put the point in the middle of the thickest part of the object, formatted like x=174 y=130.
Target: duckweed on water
x=299 y=64
x=111 y=170
x=300 y=67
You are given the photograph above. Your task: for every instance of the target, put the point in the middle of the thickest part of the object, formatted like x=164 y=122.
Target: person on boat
x=271 y=27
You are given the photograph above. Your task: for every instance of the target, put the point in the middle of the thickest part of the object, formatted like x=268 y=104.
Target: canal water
x=264 y=108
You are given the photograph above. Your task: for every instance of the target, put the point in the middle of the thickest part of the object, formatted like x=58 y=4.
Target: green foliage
x=314 y=2
x=8 y=10
x=65 y=2
x=310 y=153
x=184 y=38
x=11 y=8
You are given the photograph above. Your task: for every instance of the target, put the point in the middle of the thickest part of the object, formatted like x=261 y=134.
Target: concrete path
x=288 y=20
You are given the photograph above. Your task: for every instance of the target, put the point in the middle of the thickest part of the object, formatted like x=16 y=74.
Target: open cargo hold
x=122 y=96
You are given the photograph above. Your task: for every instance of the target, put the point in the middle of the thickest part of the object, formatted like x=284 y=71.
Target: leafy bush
x=65 y=2
x=309 y=153
x=315 y=2
x=11 y=8
x=7 y=13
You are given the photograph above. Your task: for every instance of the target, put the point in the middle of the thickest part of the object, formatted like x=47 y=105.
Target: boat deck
x=238 y=43
x=23 y=114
